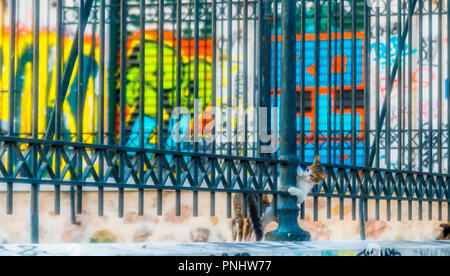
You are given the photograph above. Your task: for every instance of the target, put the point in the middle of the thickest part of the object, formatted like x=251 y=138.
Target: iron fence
x=363 y=84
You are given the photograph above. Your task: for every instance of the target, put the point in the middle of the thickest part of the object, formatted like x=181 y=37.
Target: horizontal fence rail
x=228 y=96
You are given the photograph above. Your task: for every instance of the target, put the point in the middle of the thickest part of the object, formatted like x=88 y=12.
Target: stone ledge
x=322 y=248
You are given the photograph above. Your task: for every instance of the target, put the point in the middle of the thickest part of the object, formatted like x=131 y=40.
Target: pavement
x=316 y=248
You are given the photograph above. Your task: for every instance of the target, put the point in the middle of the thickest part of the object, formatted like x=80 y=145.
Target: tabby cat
x=242 y=228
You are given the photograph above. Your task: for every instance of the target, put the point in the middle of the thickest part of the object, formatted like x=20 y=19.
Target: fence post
x=288 y=229
x=34 y=202
x=113 y=41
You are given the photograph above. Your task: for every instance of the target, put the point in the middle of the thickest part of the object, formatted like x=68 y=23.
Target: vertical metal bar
x=123 y=85
x=112 y=68
x=178 y=93
x=329 y=101
x=317 y=57
x=420 y=149
x=80 y=104
x=316 y=73
x=341 y=107
x=335 y=21
x=353 y=126
x=245 y=89
x=239 y=123
x=399 y=107
x=229 y=97
x=101 y=107
x=288 y=228
x=196 y=97
x=275 y=60
x=91 y=66
x=388 y=104
x=141 y=105
x=58 y=100
x=410 y=117
x=440 y=102
x=34 y=202
x=302 y=81
x=257 y=196
x=377 y=108
x=221 y=59
x=213 y=99
x=75 y=53
x=265 y=67
x=430 y=89
x=275 y=94
x=266 y=74
x=302 y=96
x=430 y=102
x=260 y=101
x=161 y=74
x=11 y=95
x=363 y=202
x=160 y=99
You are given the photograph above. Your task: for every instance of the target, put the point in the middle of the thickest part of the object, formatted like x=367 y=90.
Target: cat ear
x=324 y=175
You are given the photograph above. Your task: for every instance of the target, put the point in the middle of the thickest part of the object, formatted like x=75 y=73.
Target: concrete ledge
x=323 y=248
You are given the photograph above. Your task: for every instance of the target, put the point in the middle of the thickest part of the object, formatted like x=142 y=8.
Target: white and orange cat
x=242 y=228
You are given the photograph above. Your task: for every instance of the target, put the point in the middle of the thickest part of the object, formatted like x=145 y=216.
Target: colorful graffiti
x=47 y=84
x=47 y=81
x=338 y=56
x=169 y=81
x=383 y=55
x=336 y=61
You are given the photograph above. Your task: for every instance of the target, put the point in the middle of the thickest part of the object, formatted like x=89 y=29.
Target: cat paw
x=291 y=191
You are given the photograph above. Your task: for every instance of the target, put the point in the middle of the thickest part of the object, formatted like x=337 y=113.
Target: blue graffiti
x=393 y=51
x=323 y=66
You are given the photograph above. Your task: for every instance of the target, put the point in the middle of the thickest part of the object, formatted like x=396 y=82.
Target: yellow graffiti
x=347 y=253
x=47 y=84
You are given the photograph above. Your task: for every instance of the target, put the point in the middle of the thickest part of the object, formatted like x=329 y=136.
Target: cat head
x=315 y=173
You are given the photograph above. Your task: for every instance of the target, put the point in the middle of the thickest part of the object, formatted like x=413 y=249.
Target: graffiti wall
x=427 y=85
x=169 y=81
x=340 y=60
x=223 y=81
x=428 y=82
x=47 y=84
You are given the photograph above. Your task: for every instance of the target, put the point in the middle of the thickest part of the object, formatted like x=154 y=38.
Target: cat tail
x=254 y=217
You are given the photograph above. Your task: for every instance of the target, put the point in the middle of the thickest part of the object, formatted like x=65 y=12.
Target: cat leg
x=299 y=193
x=247 y=230
x=241 y=230
x=293 y=191
x=234 y=228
